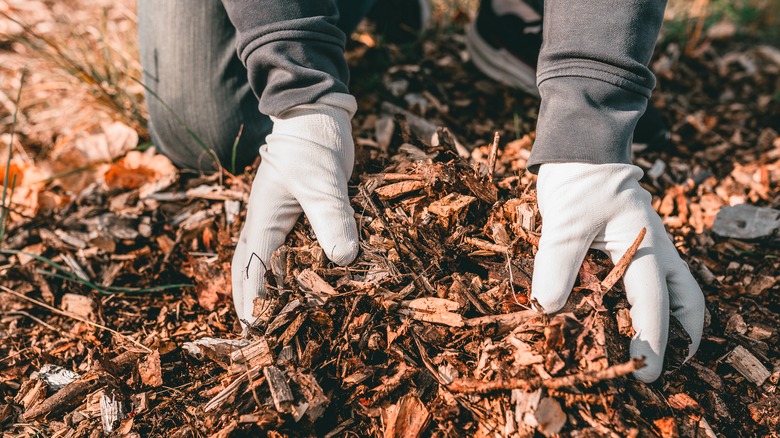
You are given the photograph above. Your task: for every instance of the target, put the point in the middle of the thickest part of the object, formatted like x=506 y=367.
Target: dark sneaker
x=651 y=132
x=400 y=21
x=504 y=43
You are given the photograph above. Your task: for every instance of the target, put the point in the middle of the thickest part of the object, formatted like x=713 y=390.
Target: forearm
x=293 y=51
x=593 y=78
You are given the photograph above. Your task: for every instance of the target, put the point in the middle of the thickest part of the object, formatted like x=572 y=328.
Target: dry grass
x=83 y=67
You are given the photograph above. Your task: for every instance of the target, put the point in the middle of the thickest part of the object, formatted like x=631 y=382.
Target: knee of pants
x=203 y=134
x=197 y=90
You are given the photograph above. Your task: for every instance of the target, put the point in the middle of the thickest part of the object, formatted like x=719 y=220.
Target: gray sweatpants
x=592 y=73
x=200 y=93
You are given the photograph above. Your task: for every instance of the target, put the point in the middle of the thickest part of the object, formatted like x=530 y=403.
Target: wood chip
x=526 y=216
x=473 y=386
x=315 y=398
x=395 y=190
x=766 y=411
x=748 y=365
x=280 y=390
x=510 y=320
x=432 y=304
x=525 y=407
x=253 y=355
x=707 y=375
x=311 y=282
x=112 y=411
x=436 y=316
x=150 y=370
x=32 y=392
x=406 y=419
x=667 y=426
x=624 y=324
x=683 y=402
x=435 y=310
x=450 y=204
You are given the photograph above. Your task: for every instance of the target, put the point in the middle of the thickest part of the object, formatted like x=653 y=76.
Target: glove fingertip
x=344 y=252
x=649 y=373
x=654 y=357
x=550 y=300
x=554 y=275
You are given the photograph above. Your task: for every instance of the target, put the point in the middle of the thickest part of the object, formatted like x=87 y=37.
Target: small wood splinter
x=620 y=267
x=492 y=157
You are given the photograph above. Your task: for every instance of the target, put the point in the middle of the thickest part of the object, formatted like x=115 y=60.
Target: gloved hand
x=305 y=166
x=602 y=206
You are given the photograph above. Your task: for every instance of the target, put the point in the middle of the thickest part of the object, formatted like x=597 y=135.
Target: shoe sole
x=499 y=64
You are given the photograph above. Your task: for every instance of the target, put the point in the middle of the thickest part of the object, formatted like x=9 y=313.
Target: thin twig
x=4 y=216
x=622 y=264
x=18 y=353
x=249 y=376
x=486 y=246
x=235 y=148
x=528 y=237
x=41 y=322
x=76 y=317
x=70 y=276
x=512 y=281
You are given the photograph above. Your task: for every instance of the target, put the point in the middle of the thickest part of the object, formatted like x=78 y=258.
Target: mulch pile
x=430 y=331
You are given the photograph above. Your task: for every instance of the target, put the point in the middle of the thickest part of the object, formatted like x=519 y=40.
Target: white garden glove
x=602 y=206
x=305 y=166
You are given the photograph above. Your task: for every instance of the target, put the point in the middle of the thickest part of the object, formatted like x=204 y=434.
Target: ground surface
x=101 y=236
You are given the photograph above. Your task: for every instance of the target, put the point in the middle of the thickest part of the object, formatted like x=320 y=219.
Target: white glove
x=603 y=206
x=305 y=166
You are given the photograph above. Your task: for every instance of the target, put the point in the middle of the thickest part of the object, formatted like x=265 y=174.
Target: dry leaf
x=80 y=305
x=213 y=283
x=550 y=416
x=145 y=171
x=23 y=188
x=150 y=370
x=684 y=402
x=109 y=142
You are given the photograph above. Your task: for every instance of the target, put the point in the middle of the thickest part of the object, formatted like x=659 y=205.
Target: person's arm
x=594 y=84
x=292 y=49
x=294 y=54
x=593 y=78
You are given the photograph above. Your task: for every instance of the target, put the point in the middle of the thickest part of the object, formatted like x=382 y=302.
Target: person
x=278 y=69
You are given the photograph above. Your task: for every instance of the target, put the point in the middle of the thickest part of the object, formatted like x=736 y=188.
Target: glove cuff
x=328 y=103
x=556 y=174
x=326 y=123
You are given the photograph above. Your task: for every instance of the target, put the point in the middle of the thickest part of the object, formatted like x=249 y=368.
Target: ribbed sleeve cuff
x=585 y=120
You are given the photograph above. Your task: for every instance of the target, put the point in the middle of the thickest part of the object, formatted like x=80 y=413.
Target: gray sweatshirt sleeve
x=292 y=49
x=593 y=78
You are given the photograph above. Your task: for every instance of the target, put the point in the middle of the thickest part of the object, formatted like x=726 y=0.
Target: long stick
x=76 y=317
x=74 y=392
x=474 y=386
